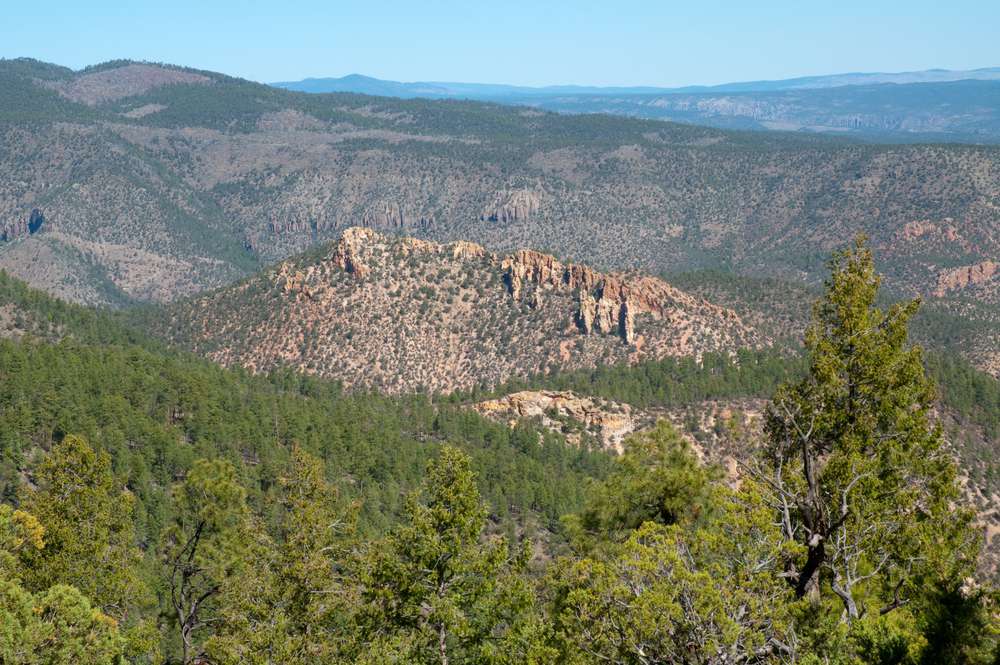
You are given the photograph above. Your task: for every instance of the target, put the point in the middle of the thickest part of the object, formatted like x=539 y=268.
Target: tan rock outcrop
x=346 y=253
x=607 y=303
x=512 y=206
x=463 y=249
x=610 y=422
x=965 y=276
x=406 y=314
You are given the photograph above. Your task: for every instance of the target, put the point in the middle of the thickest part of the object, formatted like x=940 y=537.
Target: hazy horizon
x=520 y=43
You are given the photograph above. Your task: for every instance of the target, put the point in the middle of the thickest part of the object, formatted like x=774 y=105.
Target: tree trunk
x=443 y=644
x=808 y=582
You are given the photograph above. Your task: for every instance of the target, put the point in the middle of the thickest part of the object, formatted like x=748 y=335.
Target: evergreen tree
x=90 y=539
x=679 y=570
x=437 y=591
x=864 y=489
x=208 y=545
x=54 y=626
x=295 y=603
x=657 y=478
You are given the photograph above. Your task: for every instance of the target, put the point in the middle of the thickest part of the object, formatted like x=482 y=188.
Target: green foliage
x=435 y=592
x=90 y=538
x=667 y=382
x=658 y=479
x=295 y=603
x=859 y=477
x=676 y=594
x=54 y=627
x=19 y=530
x=205 y=548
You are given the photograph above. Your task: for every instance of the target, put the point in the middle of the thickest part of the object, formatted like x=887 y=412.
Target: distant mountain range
x=931 y=105
x=367 y=85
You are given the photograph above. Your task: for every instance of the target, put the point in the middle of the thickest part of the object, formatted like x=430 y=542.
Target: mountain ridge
x=453 y=88
x=403 y=314
x=169 y=187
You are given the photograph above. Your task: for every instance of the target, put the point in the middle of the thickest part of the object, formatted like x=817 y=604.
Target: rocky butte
x=402 y=314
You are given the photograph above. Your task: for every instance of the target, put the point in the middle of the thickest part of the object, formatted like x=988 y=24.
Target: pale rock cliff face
x=609 y=422
x=345 y=256
x=512 y=206
x=390 y=215
x=965 y=277
x=607 y=303
x=384 y=215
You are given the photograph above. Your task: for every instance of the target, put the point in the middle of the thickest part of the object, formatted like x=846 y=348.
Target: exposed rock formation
x=390 y=215
x=609 y=422
x=384 y=215
x=512 y=206
x=345 y=256
x=22 y=227
x=606 y=303
x=463 y=249
x=966 y=276
x=406 y=314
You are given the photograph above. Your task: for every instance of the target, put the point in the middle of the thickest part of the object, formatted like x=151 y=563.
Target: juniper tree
x=55 y=625
x=90 y=537
x=857 y=468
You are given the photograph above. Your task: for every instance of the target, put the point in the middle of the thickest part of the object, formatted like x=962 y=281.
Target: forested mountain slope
x=154 y=182
x=197 y=482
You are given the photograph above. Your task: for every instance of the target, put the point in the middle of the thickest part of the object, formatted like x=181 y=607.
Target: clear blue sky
x=512 y=41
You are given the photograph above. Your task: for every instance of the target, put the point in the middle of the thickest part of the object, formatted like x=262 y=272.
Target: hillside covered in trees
x=157 y=508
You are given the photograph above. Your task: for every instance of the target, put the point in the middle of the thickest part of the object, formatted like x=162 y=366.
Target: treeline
x=968 y=392
x=666 y=382
x=40 y=315
x=156 y=413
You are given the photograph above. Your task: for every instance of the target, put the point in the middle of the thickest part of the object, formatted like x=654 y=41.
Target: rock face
x=966 y=276
x=512 y=206
x=606 y=303
x=346 y=254
x=406 y=314
x=22 y=227
x=384 y=215
x=609 y=422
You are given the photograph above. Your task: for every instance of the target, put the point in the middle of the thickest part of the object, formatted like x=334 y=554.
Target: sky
x=623 y=42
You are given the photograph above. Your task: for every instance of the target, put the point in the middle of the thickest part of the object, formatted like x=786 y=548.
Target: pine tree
x=90 y=539
x=437 y=591
x=294 y=603
x=208 y=545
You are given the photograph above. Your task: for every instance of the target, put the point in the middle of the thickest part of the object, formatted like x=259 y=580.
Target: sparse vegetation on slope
x=404 y=315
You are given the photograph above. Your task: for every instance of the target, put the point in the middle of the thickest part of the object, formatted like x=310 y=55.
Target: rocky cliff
x=23 y=226
x=564 y=411
x=512 y=206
